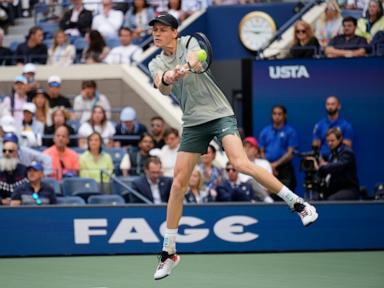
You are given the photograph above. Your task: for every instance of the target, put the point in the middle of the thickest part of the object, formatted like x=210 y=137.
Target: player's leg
x=234 y=149
x=185 y=163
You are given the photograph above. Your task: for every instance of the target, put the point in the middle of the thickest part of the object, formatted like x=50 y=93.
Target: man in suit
x=152 y=185
x=77 y=21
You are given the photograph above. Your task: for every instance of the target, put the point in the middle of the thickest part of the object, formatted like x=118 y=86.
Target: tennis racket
x=199 y=54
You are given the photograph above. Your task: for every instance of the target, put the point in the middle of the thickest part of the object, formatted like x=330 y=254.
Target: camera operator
x=339 y=172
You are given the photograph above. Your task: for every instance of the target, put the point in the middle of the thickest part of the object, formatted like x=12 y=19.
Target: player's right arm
x=164 y=80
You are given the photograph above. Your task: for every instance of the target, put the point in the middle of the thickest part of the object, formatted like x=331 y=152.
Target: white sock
x=169 y=244
x=288 y=196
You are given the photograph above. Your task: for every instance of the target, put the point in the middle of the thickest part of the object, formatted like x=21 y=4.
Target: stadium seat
x=83 y=187
x=117 y=154
x=70 y=200
x=49 y=29
x=80 y=44
x=118 y=188
x=106 y=200
x=54 y=184
x=112 y=42
x=13 y=45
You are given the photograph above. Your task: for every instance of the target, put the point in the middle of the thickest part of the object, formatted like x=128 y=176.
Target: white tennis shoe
x=166 y=264
x=306 y=211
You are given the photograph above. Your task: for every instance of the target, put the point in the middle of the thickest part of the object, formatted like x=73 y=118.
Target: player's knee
x=179 y=187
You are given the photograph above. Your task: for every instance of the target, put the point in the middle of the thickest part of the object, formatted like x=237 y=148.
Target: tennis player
x=206 y=114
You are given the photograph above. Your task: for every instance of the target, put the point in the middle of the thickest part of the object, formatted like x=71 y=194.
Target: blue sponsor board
x=209 y=228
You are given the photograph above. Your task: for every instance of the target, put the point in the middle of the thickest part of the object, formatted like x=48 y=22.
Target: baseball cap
x=29 y=107
x=128 y=114
x=252 y=141
x=36 y=166
x=41 y=91
x=7 y=124
x=54 y=81
x=21 y=79
x=10 y=137
x=29 y=68
x=166 y=19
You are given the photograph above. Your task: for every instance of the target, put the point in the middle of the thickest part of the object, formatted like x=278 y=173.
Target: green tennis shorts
x=196 y=139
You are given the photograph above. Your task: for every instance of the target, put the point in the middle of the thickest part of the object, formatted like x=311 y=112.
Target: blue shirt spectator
x=333 y=120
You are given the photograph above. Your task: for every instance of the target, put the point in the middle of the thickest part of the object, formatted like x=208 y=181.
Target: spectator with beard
x=12 y=173
x=333 y=120
x=157 y=131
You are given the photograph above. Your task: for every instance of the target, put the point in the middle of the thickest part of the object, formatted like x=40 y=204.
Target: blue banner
x=303 y=85
x=52 y=230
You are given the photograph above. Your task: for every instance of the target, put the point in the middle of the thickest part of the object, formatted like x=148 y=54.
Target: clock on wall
x=256 y=29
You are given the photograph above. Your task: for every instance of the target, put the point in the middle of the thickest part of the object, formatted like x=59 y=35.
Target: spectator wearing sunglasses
x=12 y=172
x=305 y=44
x=233 y=189
x=34 y=192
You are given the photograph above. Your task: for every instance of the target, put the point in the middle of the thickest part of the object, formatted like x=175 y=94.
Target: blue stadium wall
x=32 y=231
x=303 y=85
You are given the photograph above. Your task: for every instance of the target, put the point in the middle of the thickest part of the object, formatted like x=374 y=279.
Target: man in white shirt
x=89 y=98
x=109 y=21
x=126 y=53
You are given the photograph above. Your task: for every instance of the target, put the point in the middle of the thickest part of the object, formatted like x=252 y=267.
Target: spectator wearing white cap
x=15 y=102
x=56 y=99
x=29 y=72
x=31 y=129
x=128 y=126
x=89 y=98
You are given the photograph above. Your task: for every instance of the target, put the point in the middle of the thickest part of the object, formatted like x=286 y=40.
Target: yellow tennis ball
x=201 y=55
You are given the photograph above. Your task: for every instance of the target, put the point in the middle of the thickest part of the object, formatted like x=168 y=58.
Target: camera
x=313 y=184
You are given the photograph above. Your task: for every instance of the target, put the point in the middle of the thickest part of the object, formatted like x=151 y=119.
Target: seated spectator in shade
x=157 y=131
x=373 y=21
x=12 y=172
x=347 y=44
x=98 y=123
x=126 y=53
x=128 y=126
x=192 y=6
x=339 y=173
x=60 y=116
x=5 y=53
x=35 y=191
x=97 y=49
x=355 y=4
x=65 y=161
x=174 y=8
x=169 y=151
x=152 y=185
x=305 y=44
x=43 y=111
x=233 y=189
x=133 y=162
x=329 y=24
x=212 y=174
x=377 y=43
x=277 y=143
x=54 y=96
x=88 y=98
x=95 y=159
x=33 y=50
x=18 y=98
x=109 y=21
x=62 y=53
x=76 y=21
x=251 y=148
x=31 y=128
x=196 y=192
x=138 y=17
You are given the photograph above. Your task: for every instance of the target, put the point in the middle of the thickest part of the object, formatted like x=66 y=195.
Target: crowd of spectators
x=335 y=36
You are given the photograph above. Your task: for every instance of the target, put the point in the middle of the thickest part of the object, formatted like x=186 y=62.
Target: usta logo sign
x=288 y=72
x=229 y=229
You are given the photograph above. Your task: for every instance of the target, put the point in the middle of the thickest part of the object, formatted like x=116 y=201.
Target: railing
x=129 y=189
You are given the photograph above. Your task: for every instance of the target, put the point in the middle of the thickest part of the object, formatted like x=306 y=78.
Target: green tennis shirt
x=201 y=100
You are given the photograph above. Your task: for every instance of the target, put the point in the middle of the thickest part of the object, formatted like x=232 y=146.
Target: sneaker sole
x=176 y=263
x=313 y=221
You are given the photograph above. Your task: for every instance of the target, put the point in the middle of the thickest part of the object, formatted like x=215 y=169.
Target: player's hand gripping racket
x=199 y=54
